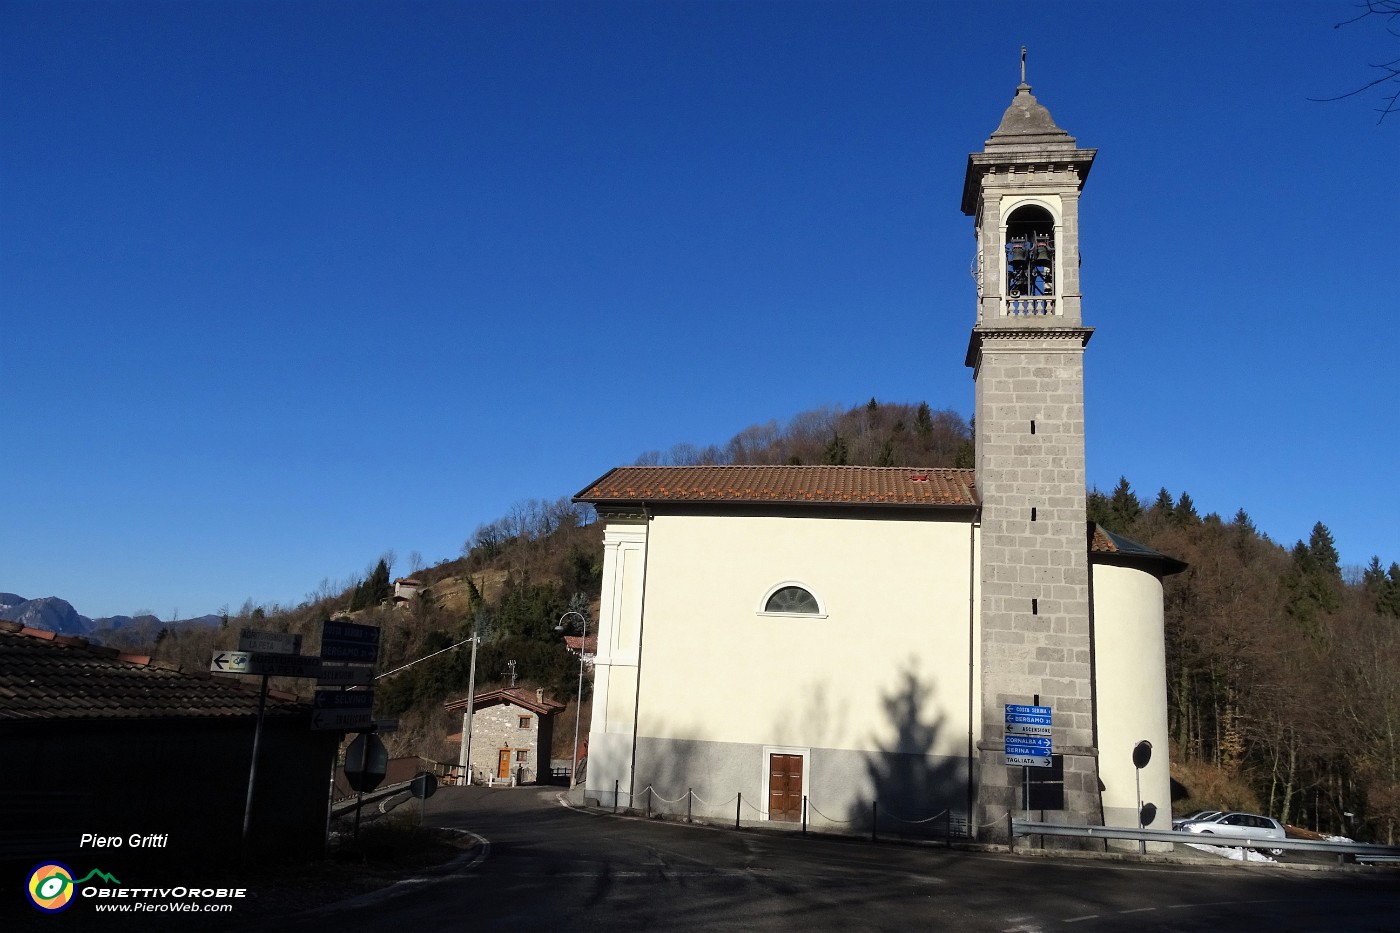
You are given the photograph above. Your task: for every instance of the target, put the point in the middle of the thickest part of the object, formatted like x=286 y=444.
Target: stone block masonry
x=1036 y=637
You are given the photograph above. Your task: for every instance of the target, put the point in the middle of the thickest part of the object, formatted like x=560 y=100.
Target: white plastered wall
x=895 y=595
x=1131 y=691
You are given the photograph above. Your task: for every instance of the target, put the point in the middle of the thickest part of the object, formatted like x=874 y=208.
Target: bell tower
x=1027 y=357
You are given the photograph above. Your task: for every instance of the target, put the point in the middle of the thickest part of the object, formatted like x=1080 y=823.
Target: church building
x=830 y=643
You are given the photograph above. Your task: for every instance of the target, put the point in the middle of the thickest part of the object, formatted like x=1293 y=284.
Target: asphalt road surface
x=553 y=868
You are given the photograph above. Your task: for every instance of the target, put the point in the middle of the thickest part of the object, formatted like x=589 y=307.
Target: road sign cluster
x=351 y=650
x=1028 y=739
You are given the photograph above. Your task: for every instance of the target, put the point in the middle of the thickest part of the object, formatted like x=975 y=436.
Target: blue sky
x=286 y=285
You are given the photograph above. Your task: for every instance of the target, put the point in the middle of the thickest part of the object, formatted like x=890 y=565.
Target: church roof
x=1026 y=136
x=1108 y=547
x=1027 y=122
x=790 y=485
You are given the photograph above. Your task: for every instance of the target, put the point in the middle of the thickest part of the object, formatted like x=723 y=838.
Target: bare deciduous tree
x=1387 y=12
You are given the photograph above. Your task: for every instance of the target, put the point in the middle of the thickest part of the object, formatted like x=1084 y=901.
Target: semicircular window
x=793 y=599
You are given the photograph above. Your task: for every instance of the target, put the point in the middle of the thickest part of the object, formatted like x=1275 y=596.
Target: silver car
x=1181 y=821
x=1250 y=826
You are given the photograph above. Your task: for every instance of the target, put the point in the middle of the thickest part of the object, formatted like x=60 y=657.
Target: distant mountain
x=116 y=622
x=58 y=615
x=126 y=632
x=49 y=613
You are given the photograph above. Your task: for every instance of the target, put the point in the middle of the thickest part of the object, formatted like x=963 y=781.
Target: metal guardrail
x=348 y=805
x=1363 y=851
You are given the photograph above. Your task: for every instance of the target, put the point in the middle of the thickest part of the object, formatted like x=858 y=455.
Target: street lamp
x=578 y=709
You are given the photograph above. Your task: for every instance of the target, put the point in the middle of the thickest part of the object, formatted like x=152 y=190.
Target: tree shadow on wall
x=914 y=787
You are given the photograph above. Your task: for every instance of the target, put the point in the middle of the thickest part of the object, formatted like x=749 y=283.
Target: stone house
x=511 y=733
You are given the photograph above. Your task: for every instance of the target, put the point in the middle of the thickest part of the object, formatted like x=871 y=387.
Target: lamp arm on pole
x=578 y=704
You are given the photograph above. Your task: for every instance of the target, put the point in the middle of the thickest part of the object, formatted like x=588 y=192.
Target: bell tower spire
x=1027 y=357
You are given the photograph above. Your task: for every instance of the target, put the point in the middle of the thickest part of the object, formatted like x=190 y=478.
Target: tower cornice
x=1077 y=338
x=1029 y=158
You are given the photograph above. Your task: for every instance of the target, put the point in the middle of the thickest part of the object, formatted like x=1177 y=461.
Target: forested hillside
x=1283 y=668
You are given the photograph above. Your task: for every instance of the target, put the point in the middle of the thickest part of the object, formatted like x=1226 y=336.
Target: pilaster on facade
x=616 y=665
x=619 y=628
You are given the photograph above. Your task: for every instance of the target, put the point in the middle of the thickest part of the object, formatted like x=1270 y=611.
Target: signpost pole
x=1142 y=843
x=253 y=768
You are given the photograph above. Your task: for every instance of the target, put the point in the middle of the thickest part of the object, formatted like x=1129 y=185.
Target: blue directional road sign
x=1028 y=739
x=342 y=709
x=349 y=641
x=343 y=699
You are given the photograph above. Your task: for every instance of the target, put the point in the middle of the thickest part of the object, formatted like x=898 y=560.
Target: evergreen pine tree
x=1373 y=577
x=1388 y=603
x=1124 y=507
x=836 y=452
x=1314 y=582
x=1098 y=510
x=1184 y=513
x=923 y=419
x=1323 y=549
x=1243 y=521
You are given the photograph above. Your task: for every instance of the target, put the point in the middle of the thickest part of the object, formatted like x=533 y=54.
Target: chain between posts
x=690 y=797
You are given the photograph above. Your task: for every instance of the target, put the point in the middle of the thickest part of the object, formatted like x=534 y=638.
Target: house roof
x=784 y=485
x=516 y=695
x=587 y=645
x=44 y=676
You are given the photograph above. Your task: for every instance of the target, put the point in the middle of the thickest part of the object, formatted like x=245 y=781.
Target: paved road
x=551 y=868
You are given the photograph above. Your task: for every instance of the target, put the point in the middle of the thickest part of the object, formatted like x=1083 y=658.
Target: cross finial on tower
x=1023 y=64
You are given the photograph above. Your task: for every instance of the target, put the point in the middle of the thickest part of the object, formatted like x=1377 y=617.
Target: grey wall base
x=705 y=778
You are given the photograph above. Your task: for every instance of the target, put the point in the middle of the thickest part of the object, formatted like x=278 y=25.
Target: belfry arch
x=1030 y=252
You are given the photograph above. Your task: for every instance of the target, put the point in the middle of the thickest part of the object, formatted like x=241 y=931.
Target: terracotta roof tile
x=578 y=643
x=1127 y=550
x=815 y=485
x=1100 y=542
x=517 y=695
x=43 y=677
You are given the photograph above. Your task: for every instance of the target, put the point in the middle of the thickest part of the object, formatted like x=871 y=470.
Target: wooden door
x=785 y=788
x=503 y=766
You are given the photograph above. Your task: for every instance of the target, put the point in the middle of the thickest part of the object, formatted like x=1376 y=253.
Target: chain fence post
x=804 y=814
x=615 y=789
x=689 y=802
x=738 y=802
x=649 y=792
x=1010 y=832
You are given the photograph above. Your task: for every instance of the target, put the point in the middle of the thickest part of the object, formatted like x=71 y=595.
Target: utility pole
x=465 y=763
